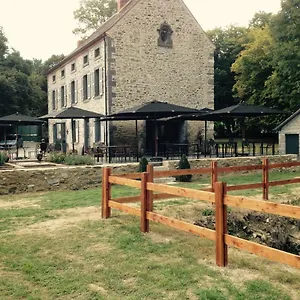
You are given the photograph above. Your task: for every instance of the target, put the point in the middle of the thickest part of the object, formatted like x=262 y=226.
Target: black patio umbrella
x=72 y=113
x=152 y=110
x=241 y=110
x=18 y=120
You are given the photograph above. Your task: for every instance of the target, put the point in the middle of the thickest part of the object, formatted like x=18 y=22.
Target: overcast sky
x=40 y=28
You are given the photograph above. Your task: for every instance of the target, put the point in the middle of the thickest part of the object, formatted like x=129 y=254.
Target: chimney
x=122 y=3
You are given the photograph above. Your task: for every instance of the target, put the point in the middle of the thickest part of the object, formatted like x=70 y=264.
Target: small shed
x=289 y=134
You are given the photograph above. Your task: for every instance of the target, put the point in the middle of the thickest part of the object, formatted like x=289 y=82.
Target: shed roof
x=289 y=119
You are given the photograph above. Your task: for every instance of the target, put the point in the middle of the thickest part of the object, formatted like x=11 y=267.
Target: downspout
x=106 y=140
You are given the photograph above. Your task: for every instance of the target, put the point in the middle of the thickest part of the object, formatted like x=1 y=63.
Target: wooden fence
x=218 y=196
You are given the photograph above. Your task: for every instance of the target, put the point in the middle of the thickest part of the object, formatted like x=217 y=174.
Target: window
x=73 y=67
x=62 y=96
x=75 y=130
x=73 y=95
x=62 y=73
x=53 y=78
x=97 y=52
x=97 y=82
x=97 y=130
x=85 y=60
x=53 y=100
x=84 y=87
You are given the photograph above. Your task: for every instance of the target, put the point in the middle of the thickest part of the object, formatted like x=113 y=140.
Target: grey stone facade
x=137 y=68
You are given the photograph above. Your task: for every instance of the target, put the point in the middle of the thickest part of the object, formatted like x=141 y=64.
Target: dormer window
x=165 y=35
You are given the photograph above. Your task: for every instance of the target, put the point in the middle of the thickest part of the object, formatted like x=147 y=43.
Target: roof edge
x=290 y=118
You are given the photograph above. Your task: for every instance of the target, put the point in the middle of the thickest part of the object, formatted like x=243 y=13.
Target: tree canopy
x=91 y=14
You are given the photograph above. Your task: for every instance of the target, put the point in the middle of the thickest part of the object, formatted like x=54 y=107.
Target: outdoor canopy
x=152 y=110
x=72 y=113
x=18 y=120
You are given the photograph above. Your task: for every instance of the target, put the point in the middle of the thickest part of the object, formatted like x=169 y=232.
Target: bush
x=74 y=160
x=56 y=157
x=184 y=164
x=3 y=158
x=70 y=159
x=143 y=164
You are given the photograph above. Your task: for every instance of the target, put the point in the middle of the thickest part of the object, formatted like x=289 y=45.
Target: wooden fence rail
x=150 y=192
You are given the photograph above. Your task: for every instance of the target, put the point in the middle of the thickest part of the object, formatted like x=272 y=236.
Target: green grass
x=56 y=246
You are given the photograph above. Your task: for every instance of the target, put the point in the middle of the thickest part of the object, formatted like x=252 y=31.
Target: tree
x=261 y=19
x=91 y=14
x=49 y=63
x=284 y=84
x=3 y=43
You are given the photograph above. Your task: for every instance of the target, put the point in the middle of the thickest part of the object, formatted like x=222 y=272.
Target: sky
x=40 y=28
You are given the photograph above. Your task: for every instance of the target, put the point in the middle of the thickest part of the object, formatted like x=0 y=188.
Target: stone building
x=289 y=134
x=149 y=50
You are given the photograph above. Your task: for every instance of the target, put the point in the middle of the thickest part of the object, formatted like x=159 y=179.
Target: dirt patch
x=98 y=289
x=67 y=218
x=20 y=204
x=159 y=238
x=274 y=231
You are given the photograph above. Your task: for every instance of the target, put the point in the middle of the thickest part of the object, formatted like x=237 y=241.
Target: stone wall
x=83 y=177
x=182 y=74
x=53 y=179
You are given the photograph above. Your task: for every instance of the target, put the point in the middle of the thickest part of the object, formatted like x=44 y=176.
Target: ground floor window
x=97 y=130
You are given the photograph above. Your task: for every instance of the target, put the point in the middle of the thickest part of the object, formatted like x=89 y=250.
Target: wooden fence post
x=266 y=179
x=221 y=225
x=214 y=174
x=150 y=172
x=106 y=193
x=144 y=203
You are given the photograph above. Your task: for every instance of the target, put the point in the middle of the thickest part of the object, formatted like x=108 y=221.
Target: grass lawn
x=56 y=246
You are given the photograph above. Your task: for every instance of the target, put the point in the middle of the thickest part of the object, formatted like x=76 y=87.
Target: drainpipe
x=106 y=139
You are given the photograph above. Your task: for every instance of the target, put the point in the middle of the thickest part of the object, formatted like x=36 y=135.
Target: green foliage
x=69 y=159
x=72 y=159
x=56 y=157
x=3 y=158
x=184 y=164
x=143 y=164
x=91 y=14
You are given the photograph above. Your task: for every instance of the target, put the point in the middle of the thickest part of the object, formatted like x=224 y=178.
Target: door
x=86 y=134
x=292 y=144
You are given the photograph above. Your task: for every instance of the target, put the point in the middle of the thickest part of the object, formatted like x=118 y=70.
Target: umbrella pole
x=137 y=142
x=156 y=138
x=205 y=137
x=17 y=142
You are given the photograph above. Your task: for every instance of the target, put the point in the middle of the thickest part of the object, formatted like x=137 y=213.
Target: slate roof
x=280 y=126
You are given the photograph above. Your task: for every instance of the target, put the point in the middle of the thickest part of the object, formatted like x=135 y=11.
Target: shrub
x=3 y=158
x=143 y=164
x=56 y=157
x=78 y=160
x=184 y=164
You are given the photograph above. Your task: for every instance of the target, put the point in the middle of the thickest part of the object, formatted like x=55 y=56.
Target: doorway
x=292 y=144
x=86 y=134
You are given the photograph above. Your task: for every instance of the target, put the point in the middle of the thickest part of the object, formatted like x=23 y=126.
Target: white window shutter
x=93 y=83
x=89 y=86
x=66 y=96
x=57 y=99
x=101 y=76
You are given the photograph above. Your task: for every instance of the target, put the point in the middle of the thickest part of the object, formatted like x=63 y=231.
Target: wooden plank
x=265 y=179
x=182 y=192
x=130 y=175
x=163 y=196
x=173 y=173
x=183 y=226
x=244 y=186
x=150 y=171
x=125 y=181
x=263 y=206
x=264 y=251
x=144 y=221
x=239 y=168
x=106 y=193
x=285 y=165
x=221 y=249
x=283 y=182
x=127 y=209
x=214 y=174
x=131 y=199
